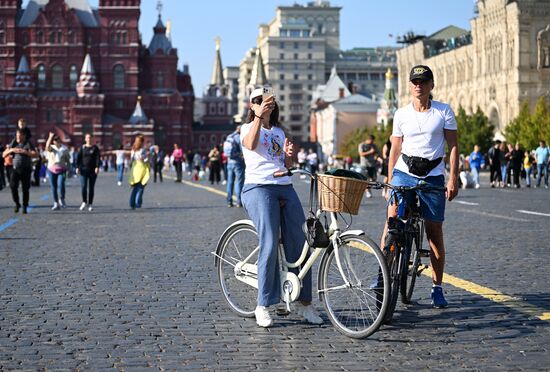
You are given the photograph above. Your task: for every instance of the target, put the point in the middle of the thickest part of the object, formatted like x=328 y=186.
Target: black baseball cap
x=421 y=72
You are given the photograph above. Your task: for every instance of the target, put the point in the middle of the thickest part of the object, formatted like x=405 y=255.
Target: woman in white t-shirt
x=59 y=162
x=272 y=204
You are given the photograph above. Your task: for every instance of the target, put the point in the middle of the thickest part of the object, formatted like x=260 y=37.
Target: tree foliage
x=528 y=129
x=474 y=130
x=352 y=141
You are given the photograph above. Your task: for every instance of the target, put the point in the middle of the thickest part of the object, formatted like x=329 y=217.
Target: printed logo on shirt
x=274 y=145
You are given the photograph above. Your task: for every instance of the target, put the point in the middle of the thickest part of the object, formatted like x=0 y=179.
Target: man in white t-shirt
x=420 y=131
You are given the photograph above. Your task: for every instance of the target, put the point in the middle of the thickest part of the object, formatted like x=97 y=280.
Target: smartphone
x=268 y=92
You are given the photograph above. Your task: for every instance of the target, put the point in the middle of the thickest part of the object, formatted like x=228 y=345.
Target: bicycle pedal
x=282 y=311
x=424 y=253
x=421 y=269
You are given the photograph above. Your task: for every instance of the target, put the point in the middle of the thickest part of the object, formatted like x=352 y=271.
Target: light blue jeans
x=542 y=168
x=262 y=202
x=235 y=179
x=475 y=175
x=119 y=172
x=136 y=196
x=57 y=185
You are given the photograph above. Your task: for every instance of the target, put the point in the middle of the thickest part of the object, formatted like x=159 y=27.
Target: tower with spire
x=258 y=79
x=388 y=105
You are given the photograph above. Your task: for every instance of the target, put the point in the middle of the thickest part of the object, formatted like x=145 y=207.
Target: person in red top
x=177 y=154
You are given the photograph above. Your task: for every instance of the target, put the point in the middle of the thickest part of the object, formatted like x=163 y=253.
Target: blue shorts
x=432 y=203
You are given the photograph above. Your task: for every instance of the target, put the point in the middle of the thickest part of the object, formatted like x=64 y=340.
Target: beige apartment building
x=503 y=62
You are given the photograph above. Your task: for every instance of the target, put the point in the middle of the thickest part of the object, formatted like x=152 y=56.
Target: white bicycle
x=353 y=281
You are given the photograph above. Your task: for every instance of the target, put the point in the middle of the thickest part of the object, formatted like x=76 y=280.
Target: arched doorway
x=494 y=118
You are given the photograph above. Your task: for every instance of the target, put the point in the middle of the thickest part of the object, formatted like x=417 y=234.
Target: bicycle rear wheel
x=392 y=255
x=237 y=243
x=355 y=309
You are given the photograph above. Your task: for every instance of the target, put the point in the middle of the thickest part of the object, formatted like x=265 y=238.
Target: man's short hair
x=498 y=142
x=21 y=121
x=371 y=137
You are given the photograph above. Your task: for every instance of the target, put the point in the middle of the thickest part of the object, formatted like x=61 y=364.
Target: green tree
x=474 y=130
x=528 y=129
x=352 y=141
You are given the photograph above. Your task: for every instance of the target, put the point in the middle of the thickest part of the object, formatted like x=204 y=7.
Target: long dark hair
x=273 y=118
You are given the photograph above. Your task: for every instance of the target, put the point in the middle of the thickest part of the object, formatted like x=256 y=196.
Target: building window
x=296 y=77
x=59 y=37
x=281 y=97
x=283 y=32
x=87 y=128
x=363 y=76
x=212 y=109
x=309 y=87
x=25 y=37
x=71 y=37
x=57 y=77
x=296 y=86
x=124 y=38
x=160 y=79
x=73 y=76
x=52 y=37
x=221 y=109
x=295 y=117
x=295 y=128
x=41 y=76
x=295 y=55
x=282 y=87
x=39 y=37
x=295 y=97
x=2 y=37
x=296 y=45
x=309 y=56
x=305 y=33
x=119 y=104
x=282 y=45
x=310 y=45
x=294 y=33
x=310 y=77
x=282 y=56
x=282 y=77
x=118 y=77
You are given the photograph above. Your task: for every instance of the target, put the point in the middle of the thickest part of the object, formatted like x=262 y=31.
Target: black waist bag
x=420 y=166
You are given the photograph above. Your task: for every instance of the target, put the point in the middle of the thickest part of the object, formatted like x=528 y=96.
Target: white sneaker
x=224 y=182
x=369 y=195
x=308 y=312
x=82 y=206
x=90 y=208
x=263 y=319
x=119 y=183
x=478 y=185
x=62 y=203
x=55 y=207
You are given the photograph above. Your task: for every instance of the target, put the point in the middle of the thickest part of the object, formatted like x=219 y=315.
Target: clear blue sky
x=363 y=23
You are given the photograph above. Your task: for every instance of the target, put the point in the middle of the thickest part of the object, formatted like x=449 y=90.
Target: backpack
x=232 y=148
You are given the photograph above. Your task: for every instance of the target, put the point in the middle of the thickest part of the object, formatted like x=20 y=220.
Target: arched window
x=124 y=38
x=71 y=37
x=25 y=37
x=118 y=76
x=160 y=79
x=59 y=36
x=39 y=37
x=2 y=37
x=41 y=74
x=52 y=37
x=73 y=76
x=57 y=77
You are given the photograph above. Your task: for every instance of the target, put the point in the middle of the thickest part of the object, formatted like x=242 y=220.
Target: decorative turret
x=87 y=84
x=138 y=117
x=388 y=106
x=161 y=39
x=258 y=76
x=24 y=82
x=217 y=72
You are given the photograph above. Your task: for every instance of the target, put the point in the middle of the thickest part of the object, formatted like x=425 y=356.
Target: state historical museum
x=71 y=69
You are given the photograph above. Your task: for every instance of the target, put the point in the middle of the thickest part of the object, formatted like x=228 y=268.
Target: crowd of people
x=25 y=165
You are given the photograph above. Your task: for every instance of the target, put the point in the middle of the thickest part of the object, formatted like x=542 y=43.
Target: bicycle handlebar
x=290 y=172
x=421 y=186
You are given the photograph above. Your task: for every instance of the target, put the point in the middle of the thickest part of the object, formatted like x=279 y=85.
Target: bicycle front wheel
x=355 y=308
x=239 y=242
x=408 y=279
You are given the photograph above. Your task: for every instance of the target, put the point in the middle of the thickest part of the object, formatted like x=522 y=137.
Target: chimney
x=341 y=94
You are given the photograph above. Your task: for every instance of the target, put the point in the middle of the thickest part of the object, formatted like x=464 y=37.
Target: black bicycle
x=403 y=243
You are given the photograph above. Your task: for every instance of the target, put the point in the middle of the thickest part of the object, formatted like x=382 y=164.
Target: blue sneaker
x=438 y=299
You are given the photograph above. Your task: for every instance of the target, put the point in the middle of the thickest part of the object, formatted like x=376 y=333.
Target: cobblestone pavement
x=137 y=290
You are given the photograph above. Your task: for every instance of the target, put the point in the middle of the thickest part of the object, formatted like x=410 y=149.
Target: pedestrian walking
x=157 y=162
x=22 y=153
x=312 y=161
x=214 y=159
x=177 y=161
x=139 y=172
x=120 y=155
x=494 y=156
x=266 y=150
x=527 y=167
x=232 y=149
x=420 y=131
x=542 y=157
x=87 y=167
x=476 y=161
x=507 y=165
x=302 y=157
x=59 y=162
x=516 y=161
x=368 y=155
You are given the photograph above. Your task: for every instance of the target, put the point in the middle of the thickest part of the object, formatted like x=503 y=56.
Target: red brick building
x=71 y=69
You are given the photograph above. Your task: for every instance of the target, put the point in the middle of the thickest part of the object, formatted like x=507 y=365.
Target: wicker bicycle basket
x=340 y=194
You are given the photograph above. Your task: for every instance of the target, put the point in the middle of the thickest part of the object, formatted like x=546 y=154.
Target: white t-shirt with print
x=267 y=158
x=423 y=133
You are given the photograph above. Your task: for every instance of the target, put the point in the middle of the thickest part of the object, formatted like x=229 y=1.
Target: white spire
x=138 y=117
x=87 y=67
